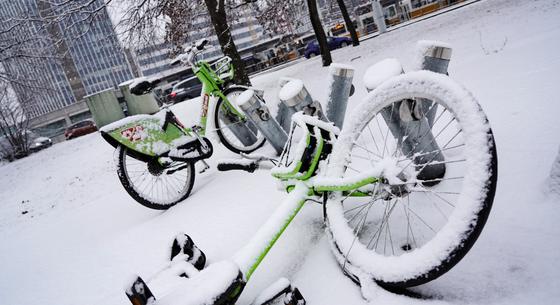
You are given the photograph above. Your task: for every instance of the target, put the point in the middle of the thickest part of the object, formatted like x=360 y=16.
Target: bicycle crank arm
x=192 y=152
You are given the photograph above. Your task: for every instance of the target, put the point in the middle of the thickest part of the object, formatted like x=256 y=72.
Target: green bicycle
x=235 y=132
x=399 y=210
x=156 y=153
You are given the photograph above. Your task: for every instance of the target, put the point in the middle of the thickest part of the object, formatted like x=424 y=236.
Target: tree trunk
x=319 y=32
x=349 y=24
x=216 y=10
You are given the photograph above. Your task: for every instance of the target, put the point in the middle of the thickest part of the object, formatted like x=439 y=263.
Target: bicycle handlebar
x=190 y=53
x=250 y=167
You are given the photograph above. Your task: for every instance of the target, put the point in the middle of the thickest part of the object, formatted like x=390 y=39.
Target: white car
x=35 y=143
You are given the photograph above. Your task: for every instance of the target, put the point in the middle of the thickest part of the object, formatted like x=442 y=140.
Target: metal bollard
x=434 y=55
x=294 y=95
x=379 y=17
x=340 y=84
x=258 y=113
x=246 y=134
x=408 y=123
x=284 y=114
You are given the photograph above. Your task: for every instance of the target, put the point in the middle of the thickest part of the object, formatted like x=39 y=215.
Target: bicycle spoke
x=373 y=138
x=356 y=235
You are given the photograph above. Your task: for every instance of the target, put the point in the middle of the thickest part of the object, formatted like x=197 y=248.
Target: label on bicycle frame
x=205 y=99
x=134 y=134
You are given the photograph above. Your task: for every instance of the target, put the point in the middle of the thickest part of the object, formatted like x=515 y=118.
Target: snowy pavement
x=70 y=234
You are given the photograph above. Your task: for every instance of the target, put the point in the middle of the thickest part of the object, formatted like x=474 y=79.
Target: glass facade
x=78 y=56
x=245 y=30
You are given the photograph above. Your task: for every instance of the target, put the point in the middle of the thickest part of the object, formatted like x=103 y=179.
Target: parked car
x=185 y=90
x=333 y=43
x=40 y=143
x=79 y=129
x=160 y=94
x=34 y=141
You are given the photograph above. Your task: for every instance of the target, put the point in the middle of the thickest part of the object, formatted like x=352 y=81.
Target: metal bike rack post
x=294 y=95
x=340 y=84
x=378 y=17
x=435 y=56
x=258 y=113
x=246 y=134
x=409 y=116
x=284 y=114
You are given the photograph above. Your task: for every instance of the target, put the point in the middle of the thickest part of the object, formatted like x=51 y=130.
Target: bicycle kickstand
x=195 y=130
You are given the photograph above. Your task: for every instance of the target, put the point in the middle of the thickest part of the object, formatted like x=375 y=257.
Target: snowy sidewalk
x=82 y=236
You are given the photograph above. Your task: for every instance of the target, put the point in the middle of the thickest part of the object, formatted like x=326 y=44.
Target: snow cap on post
x=291 y=90
x=381 y=71
x=341 y=70
x=246 y=99
x=433 y=48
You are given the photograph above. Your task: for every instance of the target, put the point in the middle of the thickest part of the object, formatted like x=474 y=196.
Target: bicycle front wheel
x=434 y=147
x=235 y=132
x=152 y=184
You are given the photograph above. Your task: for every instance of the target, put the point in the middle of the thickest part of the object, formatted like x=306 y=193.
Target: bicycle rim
x=152 y=184
x=417 y=224
x=230 y=127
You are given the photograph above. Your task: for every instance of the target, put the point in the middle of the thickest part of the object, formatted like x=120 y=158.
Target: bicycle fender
x=146 y=135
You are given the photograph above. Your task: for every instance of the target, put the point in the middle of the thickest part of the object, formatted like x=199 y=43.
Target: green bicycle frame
x=212 y=86
x=148 y=136
x=250 y=257
x=315 y=146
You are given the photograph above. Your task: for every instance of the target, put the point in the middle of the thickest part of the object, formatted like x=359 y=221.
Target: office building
x=75 y=56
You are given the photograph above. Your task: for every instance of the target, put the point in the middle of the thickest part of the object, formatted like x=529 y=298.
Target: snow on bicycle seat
x=219 y=283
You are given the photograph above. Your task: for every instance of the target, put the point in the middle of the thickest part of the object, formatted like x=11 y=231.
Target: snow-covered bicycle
x=156 y=153
x=406 y=187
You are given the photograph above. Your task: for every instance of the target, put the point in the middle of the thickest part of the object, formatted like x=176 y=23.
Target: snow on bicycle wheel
x=437 y=185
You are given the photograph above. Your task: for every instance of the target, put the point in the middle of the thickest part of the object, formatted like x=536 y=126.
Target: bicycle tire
x=151 y=190
x=414 y=263
x=227 y=138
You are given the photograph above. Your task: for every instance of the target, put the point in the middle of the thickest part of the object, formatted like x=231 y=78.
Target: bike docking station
x=294 y=98
x=245 y=134
x=340 y=170
x=257 y=112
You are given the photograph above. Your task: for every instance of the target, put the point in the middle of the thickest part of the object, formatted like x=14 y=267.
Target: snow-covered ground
x=69 y=234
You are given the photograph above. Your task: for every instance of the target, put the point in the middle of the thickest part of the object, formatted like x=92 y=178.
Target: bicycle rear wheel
x=414 y=225
x=152 y=184
x=236 y=133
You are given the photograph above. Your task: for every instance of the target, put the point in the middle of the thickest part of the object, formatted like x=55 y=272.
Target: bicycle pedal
x=196 y=128
x=280 y=292
x=183 y=244
x=139 y=294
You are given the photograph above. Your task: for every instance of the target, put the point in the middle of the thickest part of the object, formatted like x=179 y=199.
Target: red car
x=80 y=129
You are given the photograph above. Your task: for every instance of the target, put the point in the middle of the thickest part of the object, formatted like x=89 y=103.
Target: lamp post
x=378 y=17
